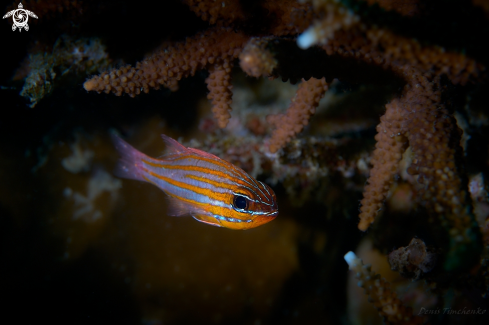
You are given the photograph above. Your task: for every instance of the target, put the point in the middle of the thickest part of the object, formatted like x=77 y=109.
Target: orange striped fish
x=201 y=185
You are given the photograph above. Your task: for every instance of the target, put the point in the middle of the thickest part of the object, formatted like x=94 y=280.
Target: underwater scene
x=244 y=162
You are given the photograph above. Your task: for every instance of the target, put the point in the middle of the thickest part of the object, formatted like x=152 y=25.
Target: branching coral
x=219 y=85
x=168 y=66
x=212 y=49
x=300 y=110
x=380 y=294
x=420 y=119
x=386 y=156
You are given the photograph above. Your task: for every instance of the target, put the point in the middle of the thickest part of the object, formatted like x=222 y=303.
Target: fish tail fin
x=130 y=161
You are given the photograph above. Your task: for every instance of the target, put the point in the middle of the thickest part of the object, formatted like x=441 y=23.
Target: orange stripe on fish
x=188 y=168
x=202 y=185
x=210 y=171
x=193 y=188
x=198 y=169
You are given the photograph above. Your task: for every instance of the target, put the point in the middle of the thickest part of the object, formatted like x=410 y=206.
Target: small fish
x=201 y=185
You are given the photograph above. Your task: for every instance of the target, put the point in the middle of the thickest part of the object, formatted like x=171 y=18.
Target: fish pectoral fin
x=179 y=208
x=207 y=220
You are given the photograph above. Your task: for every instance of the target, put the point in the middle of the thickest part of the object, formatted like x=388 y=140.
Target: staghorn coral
x=212 y=49
x=386 y=156
x=219 y=85
x=165 y=68
x=421 y=120
x=380 y=294
x=297 y=116
x=208 y=50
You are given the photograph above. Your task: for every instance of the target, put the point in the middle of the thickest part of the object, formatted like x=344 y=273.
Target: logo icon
x=20 y=17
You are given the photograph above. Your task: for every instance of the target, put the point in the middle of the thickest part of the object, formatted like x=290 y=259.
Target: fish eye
x=240 y=202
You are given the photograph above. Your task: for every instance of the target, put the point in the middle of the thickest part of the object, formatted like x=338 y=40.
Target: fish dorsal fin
x=203 y=153
x=173 y=146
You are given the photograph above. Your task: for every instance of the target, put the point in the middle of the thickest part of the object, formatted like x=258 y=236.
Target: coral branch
x=380 y=294
x=385 y=159
x=219 y=85
x=297 y=116
x=256 y=60
x=167 y=67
